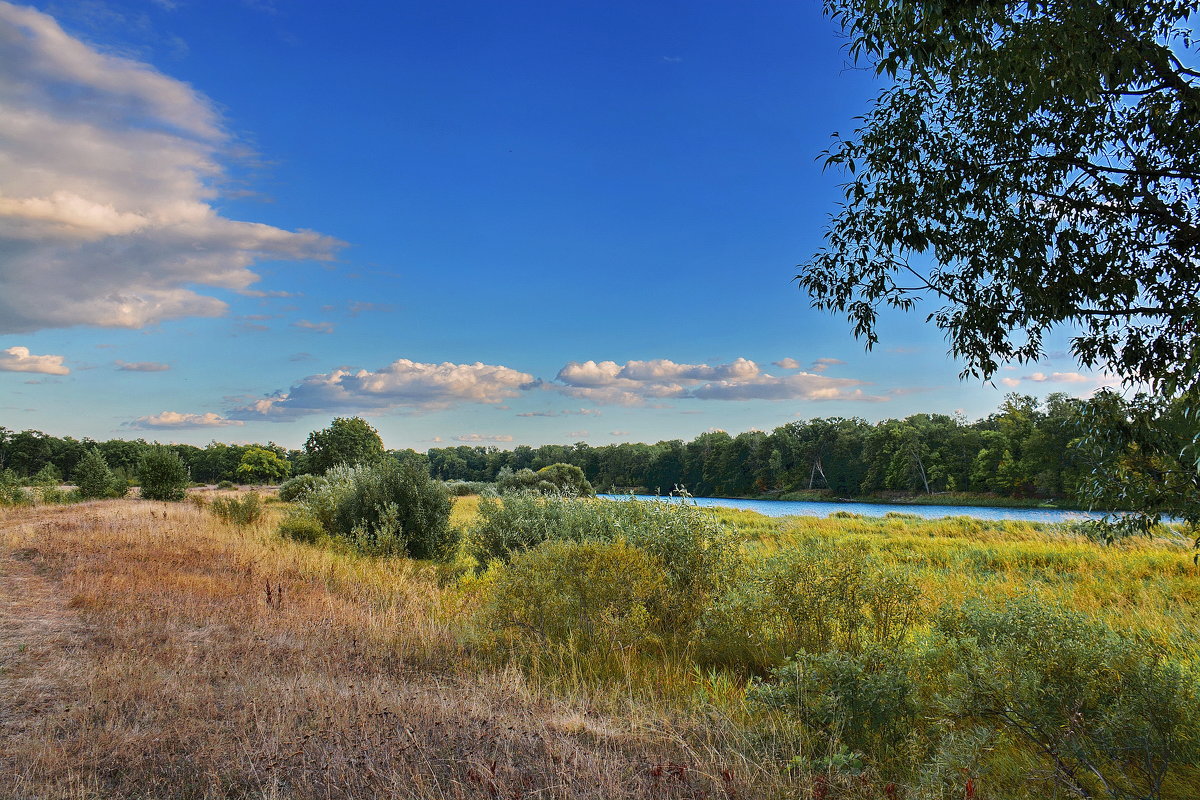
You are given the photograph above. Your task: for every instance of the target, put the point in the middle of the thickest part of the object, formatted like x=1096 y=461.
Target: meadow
x=163 y=650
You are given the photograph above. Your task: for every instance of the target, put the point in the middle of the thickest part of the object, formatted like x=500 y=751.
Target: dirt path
x=40 y=642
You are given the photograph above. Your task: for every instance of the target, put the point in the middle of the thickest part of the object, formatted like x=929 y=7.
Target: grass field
x=150 y=650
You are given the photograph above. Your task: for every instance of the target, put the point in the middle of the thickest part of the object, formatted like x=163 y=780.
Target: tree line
x=1028 y=448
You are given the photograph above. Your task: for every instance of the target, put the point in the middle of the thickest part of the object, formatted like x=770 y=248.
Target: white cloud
x=141 y=366
x=478 y=437
x=175 y=419
x=19 y=359
x=787 y=363
x=618 y=433
x=577 y=434
x=107 y=176
x=822 y=364
x=1010 y=382
x=1058 y=377
x=632 y=383
x=401 y=384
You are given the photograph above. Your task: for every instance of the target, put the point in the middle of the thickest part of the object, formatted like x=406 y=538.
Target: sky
x=467 y=222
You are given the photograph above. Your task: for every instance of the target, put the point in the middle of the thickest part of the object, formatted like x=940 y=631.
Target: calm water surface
x=806 y=508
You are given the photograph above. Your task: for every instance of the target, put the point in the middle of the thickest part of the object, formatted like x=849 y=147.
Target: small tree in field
x=162 y=475
x=94 y=478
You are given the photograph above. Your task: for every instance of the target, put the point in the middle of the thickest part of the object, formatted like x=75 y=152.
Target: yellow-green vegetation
x=626 y=650
x=929 y=655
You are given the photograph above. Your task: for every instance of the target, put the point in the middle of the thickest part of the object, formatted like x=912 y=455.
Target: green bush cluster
x=691 y=552
x=564 y=479
x=245 y=510
x=11 y=493
x=295 y=488
x=162 y=475
x=95 y=480
x=384 y=509
x=467 y=488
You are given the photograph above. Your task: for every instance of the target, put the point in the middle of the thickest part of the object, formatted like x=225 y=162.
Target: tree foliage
x=162 y=475
x=94 y=479
x=260 y=465
x=1029 y=165
x=347 y=440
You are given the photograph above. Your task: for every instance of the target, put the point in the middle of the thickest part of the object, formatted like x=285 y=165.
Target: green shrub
x=47 y=476
x=322 y=500
x=815 y=598
x=467 y=488
x=301 y=528
x=245 y=510
x=590 y=595
x=52 y=495
x=565 y=479
x=227 y=485
x=295 y=488
x=697 y=551
x=396 y=509
x=865 y=701
x=162 y=475
x=11 y=493
x=95 y=480
x=1103 y=713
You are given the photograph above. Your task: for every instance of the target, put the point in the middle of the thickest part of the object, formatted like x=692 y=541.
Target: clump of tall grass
x=245 y=510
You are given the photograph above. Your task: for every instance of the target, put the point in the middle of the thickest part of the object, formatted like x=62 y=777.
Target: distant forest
x=1023 y=450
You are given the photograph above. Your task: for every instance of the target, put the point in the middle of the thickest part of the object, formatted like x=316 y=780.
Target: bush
x=95 y=480
x=11 y=493
x=52 y=495
x=565 y=479
x=301 y=528
x=295 y=488
x=865 y=701
x=245 y=510
x=1105 y=714
x=590 y=595
x=395 y=509
x=467 y=488
x=162 y=475
x=47 y=476
x=815 y=598
x=696 y=550
x=227 y=485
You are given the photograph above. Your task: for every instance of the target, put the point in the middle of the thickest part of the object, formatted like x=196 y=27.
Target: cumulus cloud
x=175 y=420
x=401 y=384
x=1011 y=382
x=632 y=383
x=107 y=185
x=787 y=363
x=141 y=366
x=478 y=437
x=19 y=359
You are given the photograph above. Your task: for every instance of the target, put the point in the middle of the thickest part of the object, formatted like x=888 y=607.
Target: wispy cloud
x=478 y=438
x=787 y=363
x=19 y=359
x=107 y=212
x=401 y=384
x=174 y=420
x=141 y=366
x=315 y=327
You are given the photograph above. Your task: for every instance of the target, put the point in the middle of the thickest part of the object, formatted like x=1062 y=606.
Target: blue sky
x=475 y=222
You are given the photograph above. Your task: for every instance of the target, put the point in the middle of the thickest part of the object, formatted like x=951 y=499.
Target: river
x=807 y=508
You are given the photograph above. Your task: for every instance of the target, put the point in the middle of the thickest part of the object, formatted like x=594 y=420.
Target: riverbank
x=936 y=499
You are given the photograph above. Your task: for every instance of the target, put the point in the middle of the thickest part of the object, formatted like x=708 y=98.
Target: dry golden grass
x=148 y=650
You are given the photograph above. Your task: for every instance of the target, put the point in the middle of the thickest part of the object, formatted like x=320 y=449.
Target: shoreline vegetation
x=576 y=648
